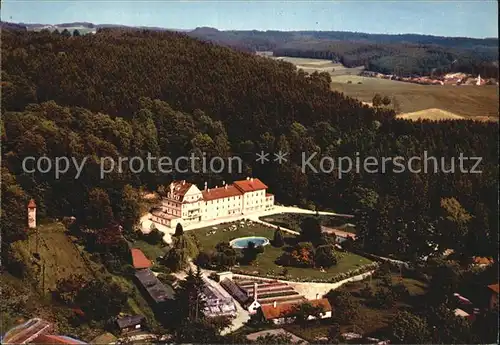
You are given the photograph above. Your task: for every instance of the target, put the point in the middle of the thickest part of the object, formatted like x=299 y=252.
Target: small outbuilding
x=129 y=324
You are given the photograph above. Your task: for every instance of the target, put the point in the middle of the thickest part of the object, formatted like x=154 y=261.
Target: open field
x=320 y=65
x=465 y=100
x=430 y=114
x=57 y=253
x=265 y=262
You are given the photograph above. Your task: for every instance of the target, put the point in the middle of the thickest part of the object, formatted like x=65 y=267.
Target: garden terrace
x=269 y=292
x=265 y=263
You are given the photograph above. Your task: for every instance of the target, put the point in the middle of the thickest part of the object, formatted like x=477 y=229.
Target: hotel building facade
x=186 y=204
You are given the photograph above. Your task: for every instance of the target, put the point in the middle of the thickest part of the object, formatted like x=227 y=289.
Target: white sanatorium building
x=186 y=204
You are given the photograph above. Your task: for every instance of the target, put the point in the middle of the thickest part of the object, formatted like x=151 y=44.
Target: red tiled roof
x=268 y=195
x=282 y=310
x=32 y=204
x=140 y=260
x=479 y=260
x=220 y=192
x=493 y=287
x=55 y=339
x=250 y=185
x=180 y=188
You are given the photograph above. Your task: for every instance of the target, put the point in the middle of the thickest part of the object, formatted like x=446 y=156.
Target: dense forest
x=403 y=55
x=129 y=93
x=124 y=93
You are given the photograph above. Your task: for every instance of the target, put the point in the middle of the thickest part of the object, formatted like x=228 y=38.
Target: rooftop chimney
x=225 y=186
x=208 y=190
x=317 y=295
x=248 y=178
x=206 y=186
x=251 y=180
x=274 y=304
x=183 y=182
x=255 y=291
x=223 y=183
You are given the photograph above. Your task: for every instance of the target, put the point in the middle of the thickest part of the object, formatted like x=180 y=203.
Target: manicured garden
x=265 y=263
x=293 y=221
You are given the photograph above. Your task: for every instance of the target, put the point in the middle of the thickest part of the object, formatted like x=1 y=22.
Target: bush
x=366 y=291
x=325 y=256
x=346 y=306
x=384 y=298
x=204 y=259
x=161 y=269
x=335 y=279
x=167 y=278
x=179 y=231
x=154 y=237
x=278 y=240
x=400 y=291
x=128 y=269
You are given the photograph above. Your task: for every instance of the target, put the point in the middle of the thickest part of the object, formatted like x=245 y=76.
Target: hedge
x=335 y=279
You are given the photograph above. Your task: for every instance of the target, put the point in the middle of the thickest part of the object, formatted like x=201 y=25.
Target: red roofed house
x=494 y=296
x=56 y=339
x=187 y=204
x=139 y=260
x=281 y=313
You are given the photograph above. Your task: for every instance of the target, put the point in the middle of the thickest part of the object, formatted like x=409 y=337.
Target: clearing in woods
x=56 y=252
x=430 y=114
x=321 y=65
x=480 y=102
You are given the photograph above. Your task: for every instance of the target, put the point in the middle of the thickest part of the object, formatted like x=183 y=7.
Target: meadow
x=321 y=65
x=52 y=250
x=469 y=101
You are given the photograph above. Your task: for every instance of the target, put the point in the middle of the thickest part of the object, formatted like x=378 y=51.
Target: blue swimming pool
x=242 y=242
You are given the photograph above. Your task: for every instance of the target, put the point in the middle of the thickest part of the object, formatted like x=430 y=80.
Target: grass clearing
x=152 y=251
x=321 y=65
x=57 y=253
x=265 y=262
x=465 y=100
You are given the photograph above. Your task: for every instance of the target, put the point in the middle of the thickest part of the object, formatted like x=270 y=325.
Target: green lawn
x=152 y=251
x=57 y=252
x=265 y=263
x=292 y=221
